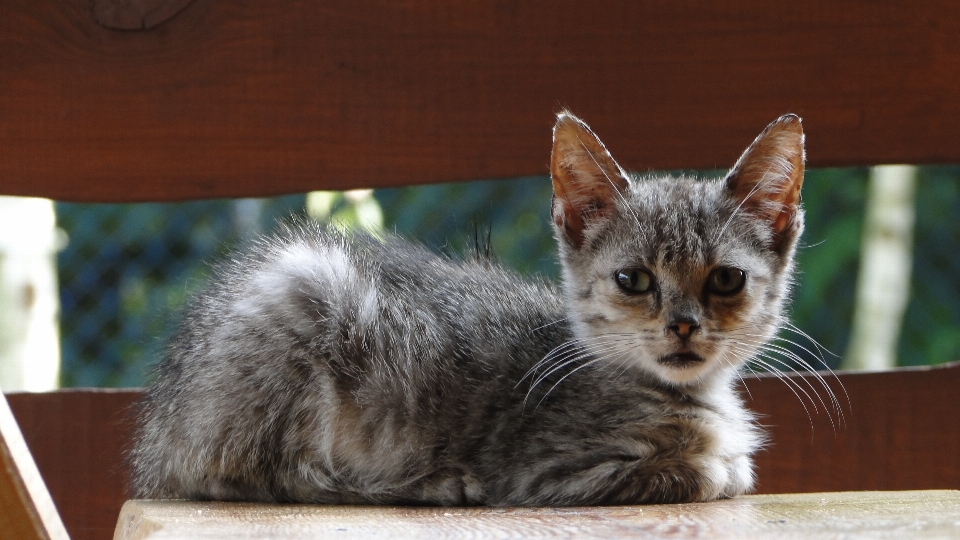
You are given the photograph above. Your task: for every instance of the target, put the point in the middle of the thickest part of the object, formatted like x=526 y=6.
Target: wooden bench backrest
x=122 y=100
x=243 y=99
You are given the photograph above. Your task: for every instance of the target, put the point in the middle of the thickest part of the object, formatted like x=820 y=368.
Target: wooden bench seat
x=858 y=514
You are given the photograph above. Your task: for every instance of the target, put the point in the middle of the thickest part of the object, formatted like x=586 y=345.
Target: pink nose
x=684 y=327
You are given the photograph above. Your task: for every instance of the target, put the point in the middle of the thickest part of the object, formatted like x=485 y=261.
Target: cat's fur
x=338 y=368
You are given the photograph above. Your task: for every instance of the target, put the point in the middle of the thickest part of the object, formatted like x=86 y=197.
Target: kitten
x=327 y=367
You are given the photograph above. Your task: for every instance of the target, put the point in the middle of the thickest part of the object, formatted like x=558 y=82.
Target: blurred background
x=876 y=286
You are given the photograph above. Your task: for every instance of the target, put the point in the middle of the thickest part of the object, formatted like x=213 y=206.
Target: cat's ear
x=767 y=178
x=586 y=179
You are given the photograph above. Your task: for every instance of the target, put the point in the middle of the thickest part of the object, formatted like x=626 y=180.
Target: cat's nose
x=684 y=326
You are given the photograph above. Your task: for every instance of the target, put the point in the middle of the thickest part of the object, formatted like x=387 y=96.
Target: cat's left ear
x=768 y=176
x=586 y=179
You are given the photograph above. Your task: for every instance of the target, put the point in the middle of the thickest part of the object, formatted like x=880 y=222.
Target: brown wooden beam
x=78 y=439
x=900 y=429
x=26 y=509
x=215 y=99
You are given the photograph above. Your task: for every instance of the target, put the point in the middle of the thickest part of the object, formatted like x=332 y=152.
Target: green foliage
x=452 y=217
x=356 y=209
x=828 y=257
x=126 y=273
x=931 y=325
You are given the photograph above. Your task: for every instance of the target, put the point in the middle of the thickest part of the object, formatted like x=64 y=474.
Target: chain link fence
x=126 y=270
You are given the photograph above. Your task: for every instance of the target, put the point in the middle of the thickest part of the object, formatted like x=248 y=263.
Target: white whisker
x=787 y=352
x=791 y=385
x=773 y=348
x=612 y=184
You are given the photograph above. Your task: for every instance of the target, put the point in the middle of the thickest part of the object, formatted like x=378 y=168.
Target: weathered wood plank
x=901 y=431
x=256 y=98
x=893 y=515
x=26 y=509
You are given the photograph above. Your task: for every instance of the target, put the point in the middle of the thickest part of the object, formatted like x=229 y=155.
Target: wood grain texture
x=26 y=509
x=872 y=515
x=902 y=431
x=256 y=98
x=77 y=438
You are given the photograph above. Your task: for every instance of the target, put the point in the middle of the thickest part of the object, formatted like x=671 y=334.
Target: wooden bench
x=160 y=100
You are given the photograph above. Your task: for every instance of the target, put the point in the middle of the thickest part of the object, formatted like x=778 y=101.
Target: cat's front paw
x=726 y=477
x=740 y=476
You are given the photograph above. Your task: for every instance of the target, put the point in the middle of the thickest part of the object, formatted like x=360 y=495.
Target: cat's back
x=315 y=285
x=314 y=328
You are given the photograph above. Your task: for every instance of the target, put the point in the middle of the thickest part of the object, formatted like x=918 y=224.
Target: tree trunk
x=29 y=302
x=883 y=285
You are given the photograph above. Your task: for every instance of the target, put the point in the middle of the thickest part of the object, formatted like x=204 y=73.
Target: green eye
x=726 y=281
x=635 y=280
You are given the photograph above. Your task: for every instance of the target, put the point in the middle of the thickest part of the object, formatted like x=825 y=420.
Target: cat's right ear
x=768 y=176
x=586 y=179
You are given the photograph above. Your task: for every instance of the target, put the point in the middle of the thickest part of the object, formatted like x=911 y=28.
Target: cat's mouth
x=681 y=360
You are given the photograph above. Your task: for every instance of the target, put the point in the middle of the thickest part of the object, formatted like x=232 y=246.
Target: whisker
x=725 y=358
x=621 y=368
x=612 y=184
x=812 y=388
x=791 y=354
x=595 y=360
x=756 y=188
x=832 y=395
x=763 y=340
x=767 y=351
x=787 y=325
x=563 y=349
x=791 y=327
x=792 y=386
x=774 y=348
x=541 y=327
x=565 y=361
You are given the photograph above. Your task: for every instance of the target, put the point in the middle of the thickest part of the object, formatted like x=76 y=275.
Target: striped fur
x=339 y=368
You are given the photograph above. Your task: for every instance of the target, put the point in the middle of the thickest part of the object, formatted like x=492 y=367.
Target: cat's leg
x=706 y=477
x=675 y=463
x=610 y=478
x=663 y=483
x=444 y=487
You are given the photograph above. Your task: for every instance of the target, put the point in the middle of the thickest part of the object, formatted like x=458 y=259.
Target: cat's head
x=677 y=277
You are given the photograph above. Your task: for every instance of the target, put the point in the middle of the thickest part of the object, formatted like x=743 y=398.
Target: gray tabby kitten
x=333 y=368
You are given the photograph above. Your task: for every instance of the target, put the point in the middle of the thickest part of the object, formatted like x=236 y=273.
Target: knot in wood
x=136 y=14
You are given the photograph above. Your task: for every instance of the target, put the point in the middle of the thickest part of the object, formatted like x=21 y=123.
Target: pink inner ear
x=789 y=203
x=784 y=219
x=568 y=220
x=586 y=179
x=769 y=174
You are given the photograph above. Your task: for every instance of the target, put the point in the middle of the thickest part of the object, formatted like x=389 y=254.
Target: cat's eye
x=635 y=280
x=726 y=281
